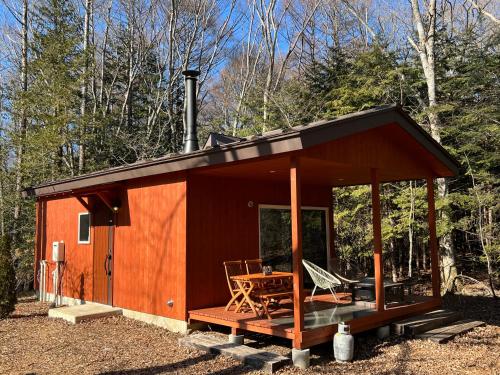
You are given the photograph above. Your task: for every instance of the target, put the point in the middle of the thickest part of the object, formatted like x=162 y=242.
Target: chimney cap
x=191 y=73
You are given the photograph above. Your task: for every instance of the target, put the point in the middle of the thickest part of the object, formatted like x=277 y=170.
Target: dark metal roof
x=269 y=143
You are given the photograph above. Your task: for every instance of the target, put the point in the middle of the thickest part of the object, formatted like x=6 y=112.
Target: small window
x=84 y=228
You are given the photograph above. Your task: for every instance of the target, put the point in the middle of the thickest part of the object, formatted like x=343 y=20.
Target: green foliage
x=353 y=224
x=471 y=91
x=51 y=103
x=8 y=297
x=371 y=78
x=469 y=112
x=335 y=81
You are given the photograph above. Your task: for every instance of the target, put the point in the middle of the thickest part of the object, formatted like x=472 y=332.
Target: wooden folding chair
x=233 y=268
x=253 y=265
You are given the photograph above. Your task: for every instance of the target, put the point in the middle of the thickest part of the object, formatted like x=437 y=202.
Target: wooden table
x=252 y=283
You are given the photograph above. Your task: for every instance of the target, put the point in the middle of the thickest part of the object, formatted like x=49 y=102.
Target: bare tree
x=411 y=219
x=21 y=17
x=425 y=25
x=482 y=10
x=274 y=17
x=484 y=216
x=84 y=86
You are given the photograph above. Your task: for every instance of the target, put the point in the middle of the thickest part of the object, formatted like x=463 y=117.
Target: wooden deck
x=321 y=317
x=322 y=311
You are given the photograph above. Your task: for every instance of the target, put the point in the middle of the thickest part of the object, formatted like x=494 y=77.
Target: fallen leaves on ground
x=30 y=342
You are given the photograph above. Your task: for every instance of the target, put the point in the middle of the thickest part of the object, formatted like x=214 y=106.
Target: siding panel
x=149 y=251
x=222 y=226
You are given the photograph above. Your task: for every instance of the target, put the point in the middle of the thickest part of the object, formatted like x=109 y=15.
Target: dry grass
x=32 y=343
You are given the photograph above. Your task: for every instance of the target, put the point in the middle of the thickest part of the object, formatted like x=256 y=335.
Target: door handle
x=108 y=263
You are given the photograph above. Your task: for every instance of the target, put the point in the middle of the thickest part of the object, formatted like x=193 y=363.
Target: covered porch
x=331 y=156
x=321 y=316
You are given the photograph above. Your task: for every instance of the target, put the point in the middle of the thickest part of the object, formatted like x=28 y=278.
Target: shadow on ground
x=181 y=365
x=486 y=309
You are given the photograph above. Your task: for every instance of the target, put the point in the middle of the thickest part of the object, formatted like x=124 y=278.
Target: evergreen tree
x=8 y=297
x=470 y=94
x=52 y=100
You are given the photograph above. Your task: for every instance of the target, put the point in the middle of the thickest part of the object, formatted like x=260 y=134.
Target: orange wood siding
x=149 y=249
x=61 y=224
x=390 y=149
x=221 y=226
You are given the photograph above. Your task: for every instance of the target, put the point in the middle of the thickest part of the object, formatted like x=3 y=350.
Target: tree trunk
x=394 y=270
x=488 y=238
x=424 y=257
x=417 y=257
x=401 y=262
x=23 y=120
x=410 y=231
x=426 y=52
x=267 y=93
x=2 y=207
x=448 y=257
x=83 y=105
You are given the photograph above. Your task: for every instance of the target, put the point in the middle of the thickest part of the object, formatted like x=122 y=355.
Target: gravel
x=31 y=343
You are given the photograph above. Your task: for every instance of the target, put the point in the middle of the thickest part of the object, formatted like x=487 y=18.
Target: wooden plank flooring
x=321 y=317
x=320 y=311
x=421 y=323
x=446 y=333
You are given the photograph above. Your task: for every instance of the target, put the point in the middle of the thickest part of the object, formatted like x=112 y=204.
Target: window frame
x=80 y=214
x=307 y=208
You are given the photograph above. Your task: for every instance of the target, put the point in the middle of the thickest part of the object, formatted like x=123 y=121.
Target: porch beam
x=83 y=203
x=296 y=218
x=433 y=242
x=377 y=241
x=105 y=200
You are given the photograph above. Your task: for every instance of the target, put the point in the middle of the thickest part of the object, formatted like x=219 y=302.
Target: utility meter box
x=58 y=251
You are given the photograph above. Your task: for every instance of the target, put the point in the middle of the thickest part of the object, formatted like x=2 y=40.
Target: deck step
x=78 y=313
x=446 y=333
x=259 y=359
x=425 y=322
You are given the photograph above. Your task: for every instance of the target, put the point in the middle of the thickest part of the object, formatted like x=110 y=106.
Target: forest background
x=92 y=84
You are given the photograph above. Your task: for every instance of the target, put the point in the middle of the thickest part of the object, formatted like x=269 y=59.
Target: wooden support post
x=433 y=243
x=298 y=287
x=377 y=242
x=331 y=251
x=236 y=331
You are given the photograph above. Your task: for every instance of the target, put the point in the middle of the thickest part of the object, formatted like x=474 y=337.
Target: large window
x=84 y=228
x=276 y=237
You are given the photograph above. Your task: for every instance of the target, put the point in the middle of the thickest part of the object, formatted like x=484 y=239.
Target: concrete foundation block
x=301 y=358
x=236 y=339
x=383 y=332
x=78 y=313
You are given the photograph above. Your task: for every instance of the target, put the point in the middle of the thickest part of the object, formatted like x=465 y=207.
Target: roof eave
x=293 y=140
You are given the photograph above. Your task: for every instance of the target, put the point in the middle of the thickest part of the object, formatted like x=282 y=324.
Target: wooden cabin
x=151 y=237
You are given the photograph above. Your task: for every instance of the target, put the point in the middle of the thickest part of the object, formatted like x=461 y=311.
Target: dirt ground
x=31 y=343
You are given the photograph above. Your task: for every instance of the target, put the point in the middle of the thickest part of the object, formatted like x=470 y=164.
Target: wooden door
x=103 y=253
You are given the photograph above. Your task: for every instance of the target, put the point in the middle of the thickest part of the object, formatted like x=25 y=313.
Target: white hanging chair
x=321 y=278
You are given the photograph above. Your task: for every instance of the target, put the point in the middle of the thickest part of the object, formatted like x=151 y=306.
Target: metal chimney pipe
x=190 y=132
